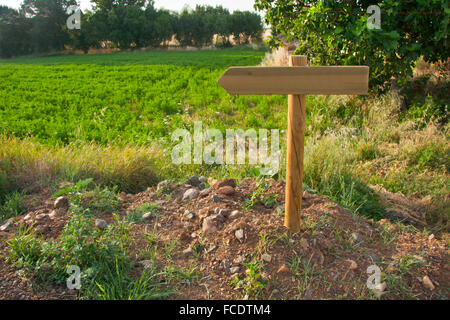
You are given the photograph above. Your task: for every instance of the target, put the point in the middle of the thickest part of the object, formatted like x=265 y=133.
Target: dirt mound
x=235 y=240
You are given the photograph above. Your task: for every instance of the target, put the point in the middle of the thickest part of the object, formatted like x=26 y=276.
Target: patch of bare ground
x=223 y=246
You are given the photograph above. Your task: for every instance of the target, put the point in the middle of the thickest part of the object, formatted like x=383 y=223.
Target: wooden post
x=296 y=81
x=295 y=151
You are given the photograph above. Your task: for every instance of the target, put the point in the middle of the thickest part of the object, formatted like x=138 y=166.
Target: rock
x=308 y=294
x=216 y=199
x=190 y=194
x=283 y=270
x=41 y=229
x=235 y=270
x=235 y=214
x=61 y=203
x=203 y=213
x=41 y=216
x=52 y=215
x=209 y=226
x=224 y=213
x=145 y=263
x=239 y=260
x=304 y=244
x=266 y=257
x=203 y=179
x=101 y=224
x=218 y=218
x=160 y=202
x=427 y=283
x=372 y=257
x=147 y=216
x=7 y=225
x=190 y=216
x=204 y=192
x=379 y=290
x=225 y=183
x=163 y=186
x=227 y=191
x=225 y=265
x=201 y=186
x=357 y=238
x=184 y=236
x=193 y=181
x=217 y=210
x=394 y=215
x=353 y=265
x=240 y=235
x=188 y=252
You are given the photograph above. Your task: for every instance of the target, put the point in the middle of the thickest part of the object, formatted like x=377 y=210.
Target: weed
x=253 y=284
x=11 y=206
x=135 y=216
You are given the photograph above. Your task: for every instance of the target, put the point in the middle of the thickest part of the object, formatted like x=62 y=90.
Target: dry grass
x=277 y=58
x=29 y=164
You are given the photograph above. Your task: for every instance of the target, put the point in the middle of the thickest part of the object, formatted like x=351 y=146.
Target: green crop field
x=124 y=97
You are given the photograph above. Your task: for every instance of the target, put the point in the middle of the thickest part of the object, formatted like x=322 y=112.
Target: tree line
x=40 y=26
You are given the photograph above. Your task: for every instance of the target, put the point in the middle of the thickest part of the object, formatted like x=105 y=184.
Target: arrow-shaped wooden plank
x=338 y=80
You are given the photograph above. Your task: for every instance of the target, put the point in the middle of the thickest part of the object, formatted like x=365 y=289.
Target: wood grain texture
x=339 y=80
x=295 y=151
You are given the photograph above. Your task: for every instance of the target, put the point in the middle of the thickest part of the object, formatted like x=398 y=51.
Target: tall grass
x=27 y=164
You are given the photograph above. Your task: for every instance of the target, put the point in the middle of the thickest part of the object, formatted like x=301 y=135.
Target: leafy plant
x=337 y=33
x=11 y=206
x=136 y=214
x=253 y=284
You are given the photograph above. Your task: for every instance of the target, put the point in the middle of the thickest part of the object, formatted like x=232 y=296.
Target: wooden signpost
x=297 y=81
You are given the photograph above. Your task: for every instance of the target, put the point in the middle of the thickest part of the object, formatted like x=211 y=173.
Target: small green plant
x=135 y=216
x=101 y=200
x=11 y=206
x=75 y=190
x=259 y=196
x=25 y=249
x=253 y=284
x=101 y=255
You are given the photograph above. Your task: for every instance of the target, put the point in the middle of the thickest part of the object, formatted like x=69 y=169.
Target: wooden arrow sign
x=297 y=80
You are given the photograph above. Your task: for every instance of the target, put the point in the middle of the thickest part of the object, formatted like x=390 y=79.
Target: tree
x=14 y=33
x=48 y=23
x=336 y=32
x=244 y=25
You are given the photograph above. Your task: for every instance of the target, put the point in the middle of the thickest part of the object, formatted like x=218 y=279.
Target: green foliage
x=102 y=257
x=75 y=190
x=25 y=249
x=11 y=206
x=136 y=214
x=336 y=33
x=138 y=104
x=259 y=196
x=253 y=284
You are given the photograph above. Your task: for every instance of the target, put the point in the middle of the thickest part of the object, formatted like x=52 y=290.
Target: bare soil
x=327 y=260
